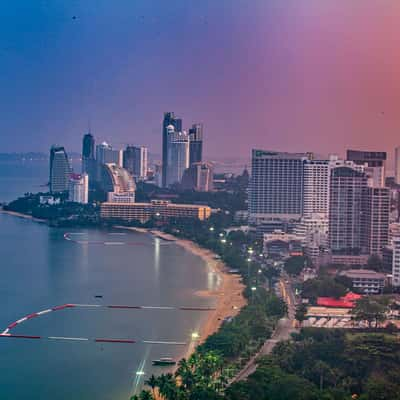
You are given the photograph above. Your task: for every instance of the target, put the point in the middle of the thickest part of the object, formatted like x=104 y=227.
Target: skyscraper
x=169 y=120
x=195 y=144
x=105 y=154
x=88 y=156
x=59 y=169
x=397 y=164
x=316 y=188
x=376 y=211
x=178 y=155
x=135 y=161
x=276 y=186
x=78 y=188
x=374 y=162
x=346 y=223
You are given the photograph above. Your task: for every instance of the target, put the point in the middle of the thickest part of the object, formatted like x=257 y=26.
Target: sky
x=294 y=75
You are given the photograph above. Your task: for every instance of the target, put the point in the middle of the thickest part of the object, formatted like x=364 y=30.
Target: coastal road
x=282 y=331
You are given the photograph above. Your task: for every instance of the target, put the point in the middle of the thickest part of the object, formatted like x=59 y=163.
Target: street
x=282 y=331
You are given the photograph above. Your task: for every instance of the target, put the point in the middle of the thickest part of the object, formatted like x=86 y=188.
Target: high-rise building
x=396 y=261
x=397 y=164
x=374 y=165
x=376 y=211
x=59 y=169
x=105 y=154
x=178 y=155
x=135 y=161
x=346 y=224
x=196 y=144
x=316 y=188
x=276 y=186
x=88 y=156
x=199 y=177
x=169 y=120
x=78 y=188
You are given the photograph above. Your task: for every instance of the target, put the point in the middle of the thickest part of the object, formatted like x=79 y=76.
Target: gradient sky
x=318 y=75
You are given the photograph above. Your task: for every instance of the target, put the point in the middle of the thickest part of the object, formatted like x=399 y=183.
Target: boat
x=98 y=296
x=164 y=361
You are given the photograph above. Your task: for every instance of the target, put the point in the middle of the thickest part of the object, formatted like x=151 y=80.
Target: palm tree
x=167 y=387
x=152 y=382
x=145 y=395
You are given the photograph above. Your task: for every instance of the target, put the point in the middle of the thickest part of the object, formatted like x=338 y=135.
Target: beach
x=21 y=215
x=229 y=297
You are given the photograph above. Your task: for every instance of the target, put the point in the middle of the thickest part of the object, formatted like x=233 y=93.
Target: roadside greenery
x=326 y=364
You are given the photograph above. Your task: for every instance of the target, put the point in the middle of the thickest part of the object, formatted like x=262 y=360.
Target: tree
x=152 y=383
x=370 y=309
x=145 y=395
x=324 y=286
x=294 y=265
x=301 y=312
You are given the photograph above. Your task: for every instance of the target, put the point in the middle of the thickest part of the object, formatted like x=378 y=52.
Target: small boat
x=98 y=296
x=164 y=361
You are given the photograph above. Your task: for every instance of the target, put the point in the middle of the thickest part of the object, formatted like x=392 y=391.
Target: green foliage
x=323 y=286
x=301 y=312
x=294 y=265
x=371 y=309
x=63 y=214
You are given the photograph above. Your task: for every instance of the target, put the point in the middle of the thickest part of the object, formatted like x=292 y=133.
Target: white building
x=118 y=183
x=78 y=188
x=122 y=197
x=316 y=188
x=396 y=261
x=276 y=186
x=49 y=200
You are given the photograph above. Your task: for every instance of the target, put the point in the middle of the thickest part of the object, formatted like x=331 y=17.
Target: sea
x=43 y=267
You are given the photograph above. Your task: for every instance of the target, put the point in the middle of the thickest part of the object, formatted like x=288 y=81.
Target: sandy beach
x=25 y=216
x=228 y=297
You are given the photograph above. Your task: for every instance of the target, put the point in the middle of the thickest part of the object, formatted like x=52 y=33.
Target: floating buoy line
x=7 y=333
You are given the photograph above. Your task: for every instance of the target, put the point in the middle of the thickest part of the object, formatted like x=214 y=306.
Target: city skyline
x=312 y=77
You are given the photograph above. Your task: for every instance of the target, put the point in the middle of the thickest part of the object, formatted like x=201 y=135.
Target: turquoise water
x=40 y=269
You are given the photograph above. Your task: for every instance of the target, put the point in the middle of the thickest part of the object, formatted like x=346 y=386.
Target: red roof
x=351 y=296
x=343 y=302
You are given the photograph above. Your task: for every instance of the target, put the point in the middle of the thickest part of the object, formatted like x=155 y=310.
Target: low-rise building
x=49 y=200
x=282 y=244
x=157 y=209
x=365 y=280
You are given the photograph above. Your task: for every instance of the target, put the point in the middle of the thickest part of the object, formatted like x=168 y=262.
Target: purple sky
x=295 y=75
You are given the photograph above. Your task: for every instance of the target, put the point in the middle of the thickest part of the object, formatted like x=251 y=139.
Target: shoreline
x=228 y=296
x=24 y=216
